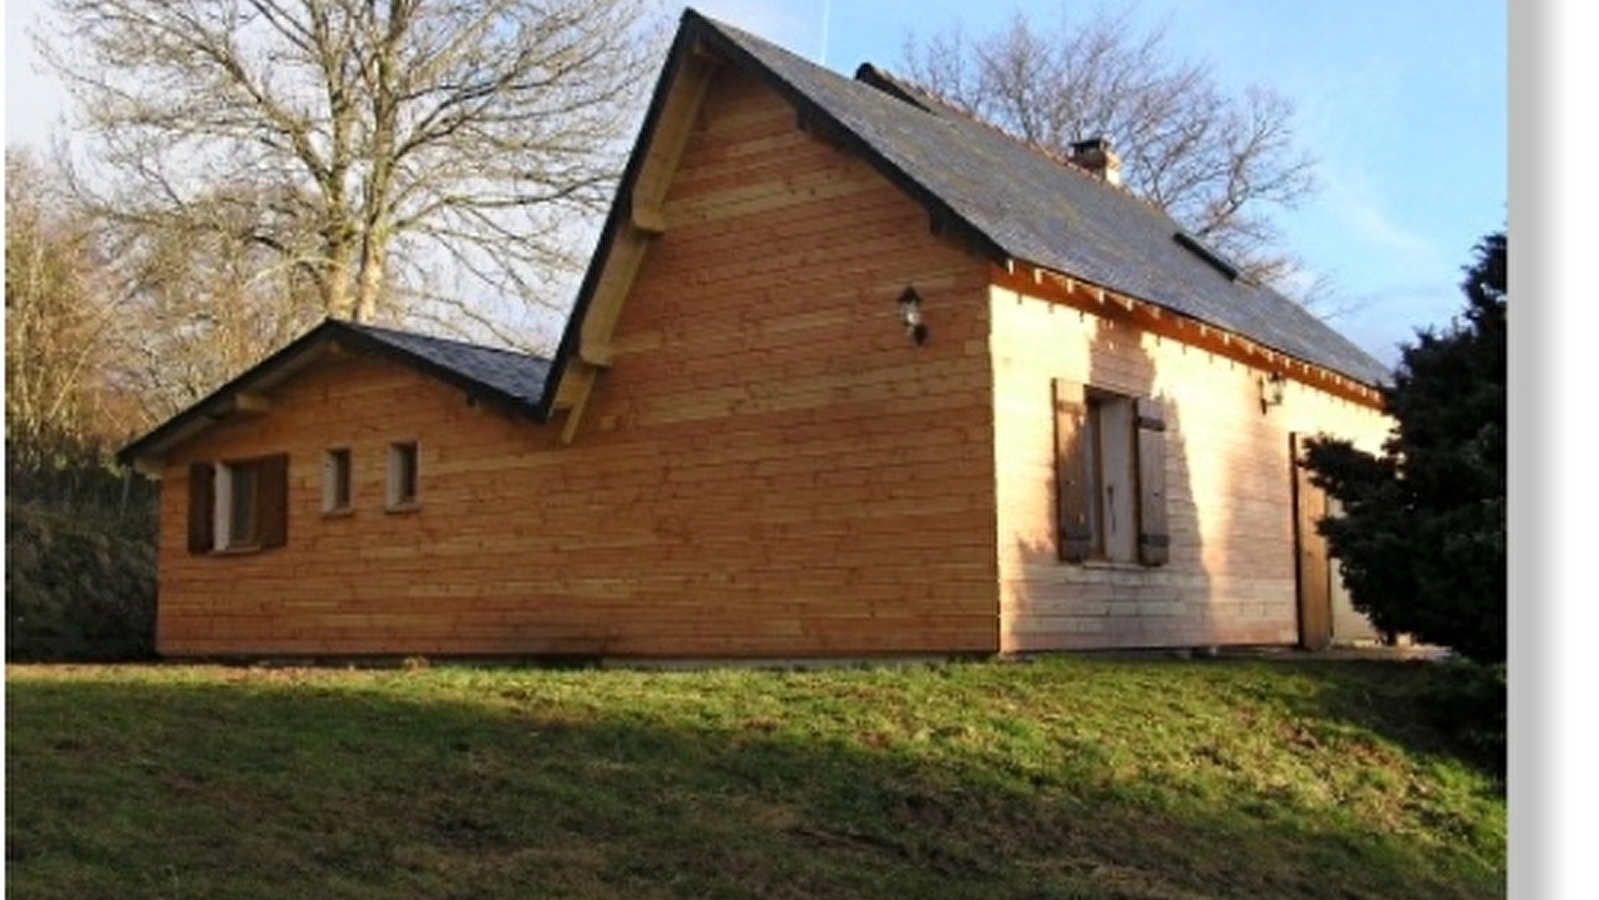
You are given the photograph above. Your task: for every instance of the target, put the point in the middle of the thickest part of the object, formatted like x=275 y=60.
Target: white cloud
x=1370 y=223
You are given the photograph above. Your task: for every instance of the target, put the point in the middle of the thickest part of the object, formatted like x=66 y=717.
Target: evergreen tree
x=1422 y=535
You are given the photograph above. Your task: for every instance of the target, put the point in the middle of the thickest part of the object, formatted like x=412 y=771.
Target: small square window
x=336 y=480
x=402 y=475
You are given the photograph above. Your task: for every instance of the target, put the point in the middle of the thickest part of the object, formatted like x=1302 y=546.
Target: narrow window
x=1115 y=503
x=336 y=480
x=242 y=513
x=402 y=475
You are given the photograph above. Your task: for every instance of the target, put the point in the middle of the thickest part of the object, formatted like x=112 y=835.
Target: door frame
x=1313 y=570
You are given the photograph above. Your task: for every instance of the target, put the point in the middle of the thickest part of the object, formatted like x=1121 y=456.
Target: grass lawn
x=1065 y=777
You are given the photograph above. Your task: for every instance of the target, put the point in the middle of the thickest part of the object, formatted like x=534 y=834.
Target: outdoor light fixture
x=910 y=315
x=1271 y=390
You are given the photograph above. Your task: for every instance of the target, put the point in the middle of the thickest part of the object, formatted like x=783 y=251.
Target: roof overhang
x=636 y=218
x=1026 y=278
x=249 y=394
x=245 y=395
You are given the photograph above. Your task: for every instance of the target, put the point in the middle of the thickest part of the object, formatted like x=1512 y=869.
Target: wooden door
x=1314 y=568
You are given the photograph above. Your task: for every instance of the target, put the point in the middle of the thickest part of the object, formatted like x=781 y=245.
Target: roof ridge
x=920 y=93
x=905 y=85
x=909 y=86
x=459 y=342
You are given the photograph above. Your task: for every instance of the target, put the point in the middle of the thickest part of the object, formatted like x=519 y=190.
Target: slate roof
x=1032 y=208
x=513 y=379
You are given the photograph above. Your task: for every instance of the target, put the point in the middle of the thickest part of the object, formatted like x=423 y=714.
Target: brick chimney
x=1096 y=156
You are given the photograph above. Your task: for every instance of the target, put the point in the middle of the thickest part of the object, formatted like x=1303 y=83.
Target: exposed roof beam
x=1024 y=278
x=625 y=247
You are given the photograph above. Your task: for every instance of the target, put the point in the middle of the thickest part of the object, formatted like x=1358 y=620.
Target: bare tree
x=203 y=295
x=1217 y=163
x=58 y=317
x=399 y=155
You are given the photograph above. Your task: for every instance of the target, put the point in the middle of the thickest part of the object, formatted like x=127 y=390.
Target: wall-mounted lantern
x=910 y=315
x=1271 y=390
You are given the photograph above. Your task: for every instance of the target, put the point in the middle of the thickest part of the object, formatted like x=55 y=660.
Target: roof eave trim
x=941 y=214
x=619 y=213
x=1020 y=276
x=156 y=441
x=141 y=453
x=697 y=34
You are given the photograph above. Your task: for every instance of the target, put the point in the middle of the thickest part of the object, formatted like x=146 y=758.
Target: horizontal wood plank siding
x=1230 y=576
x=769 y=467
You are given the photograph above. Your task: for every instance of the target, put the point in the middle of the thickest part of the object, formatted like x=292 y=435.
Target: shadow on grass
x=132 y=789
x=1449 y=709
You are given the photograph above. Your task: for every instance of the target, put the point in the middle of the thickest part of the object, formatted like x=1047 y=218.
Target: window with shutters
x=238 y=505
x=1110 y=476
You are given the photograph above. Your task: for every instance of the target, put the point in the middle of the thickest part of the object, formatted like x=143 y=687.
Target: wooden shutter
x=1154 y=536
x=202 y=508
x=273 y=524
x=1074 y=533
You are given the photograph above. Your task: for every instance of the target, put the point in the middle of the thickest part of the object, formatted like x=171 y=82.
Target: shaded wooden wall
x=1230 y=577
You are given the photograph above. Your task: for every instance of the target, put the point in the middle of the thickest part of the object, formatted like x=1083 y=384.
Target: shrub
x=1422 y=538
x=80 y=557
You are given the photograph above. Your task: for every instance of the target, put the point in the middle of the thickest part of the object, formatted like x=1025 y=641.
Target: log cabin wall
x=768 y=466
x=1230 y=576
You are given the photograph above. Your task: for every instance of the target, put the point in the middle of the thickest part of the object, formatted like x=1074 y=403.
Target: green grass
x=1068 y=777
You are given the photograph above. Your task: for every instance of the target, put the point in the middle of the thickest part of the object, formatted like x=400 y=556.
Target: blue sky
x=1403 y=103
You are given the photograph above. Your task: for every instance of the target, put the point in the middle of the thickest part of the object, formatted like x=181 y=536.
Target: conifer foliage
x=1422 y=537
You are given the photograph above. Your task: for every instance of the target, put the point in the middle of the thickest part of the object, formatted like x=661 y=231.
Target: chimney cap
x=1089 y=145
x=1095 y=155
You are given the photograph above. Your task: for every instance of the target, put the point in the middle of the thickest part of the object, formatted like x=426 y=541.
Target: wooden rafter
x=645 y=222
x=1024 y=278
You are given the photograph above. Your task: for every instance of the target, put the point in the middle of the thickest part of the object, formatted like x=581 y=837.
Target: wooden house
x=850 y=374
